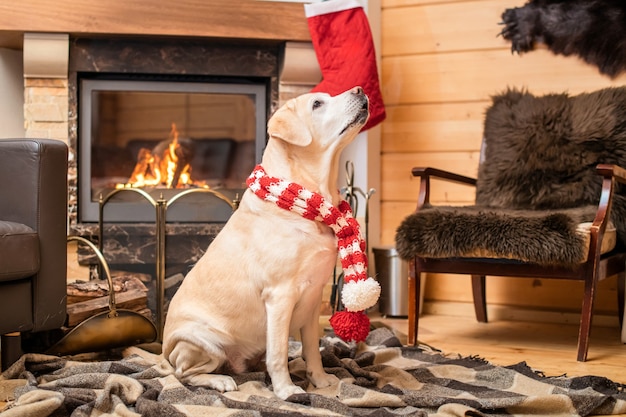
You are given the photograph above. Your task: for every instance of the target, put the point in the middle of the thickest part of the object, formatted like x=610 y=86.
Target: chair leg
x=480 y=300
x=586 y=316
x=10 y=349
x=413 y=302
x=621 y=294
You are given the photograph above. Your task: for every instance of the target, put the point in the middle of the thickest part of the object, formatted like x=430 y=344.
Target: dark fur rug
x=537 y=181
x=592 y=29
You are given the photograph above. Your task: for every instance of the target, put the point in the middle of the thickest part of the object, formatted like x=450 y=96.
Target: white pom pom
x=361 y=294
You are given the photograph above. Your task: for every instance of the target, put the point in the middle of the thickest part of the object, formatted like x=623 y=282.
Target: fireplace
x=135 y=102
x=131 y=96
x=166 y=134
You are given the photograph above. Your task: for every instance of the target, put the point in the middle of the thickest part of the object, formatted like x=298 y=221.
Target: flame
x=169 y=161
x=158 y=167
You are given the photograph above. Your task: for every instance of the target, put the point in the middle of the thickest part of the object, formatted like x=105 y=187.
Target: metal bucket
x=392 y=274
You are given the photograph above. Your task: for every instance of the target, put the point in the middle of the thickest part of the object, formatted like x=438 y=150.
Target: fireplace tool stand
x=160 y=205
x=351 y=194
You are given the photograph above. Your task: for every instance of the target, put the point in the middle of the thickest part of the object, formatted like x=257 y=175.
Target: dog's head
x=308 y=133
x=320 y=119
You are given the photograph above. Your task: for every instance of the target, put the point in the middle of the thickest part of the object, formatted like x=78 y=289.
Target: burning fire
x=166 y=165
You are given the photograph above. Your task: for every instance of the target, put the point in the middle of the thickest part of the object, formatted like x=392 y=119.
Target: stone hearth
x=130 y=245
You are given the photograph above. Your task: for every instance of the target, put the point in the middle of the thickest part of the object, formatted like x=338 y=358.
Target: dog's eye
x=317 y=104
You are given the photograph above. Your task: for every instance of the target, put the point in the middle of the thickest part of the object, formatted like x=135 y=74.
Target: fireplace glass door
x=166 y=136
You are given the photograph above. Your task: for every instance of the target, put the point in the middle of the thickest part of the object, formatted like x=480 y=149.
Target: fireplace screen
x=164 y=137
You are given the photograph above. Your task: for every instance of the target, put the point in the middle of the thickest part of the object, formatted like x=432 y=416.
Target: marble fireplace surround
x=268 y=39
x=133 y=243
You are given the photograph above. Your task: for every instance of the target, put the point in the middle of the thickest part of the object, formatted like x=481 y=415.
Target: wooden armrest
x=441 y=174
x=614 y=171
x=426 y=173
x=610 y=174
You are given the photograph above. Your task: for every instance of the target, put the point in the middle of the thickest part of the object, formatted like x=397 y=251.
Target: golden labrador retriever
x=262 y=277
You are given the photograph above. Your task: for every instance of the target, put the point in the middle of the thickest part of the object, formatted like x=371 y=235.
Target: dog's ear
x=286 y=125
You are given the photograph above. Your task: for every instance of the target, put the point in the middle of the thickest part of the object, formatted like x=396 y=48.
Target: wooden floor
x=546 y=347
x=550 y=348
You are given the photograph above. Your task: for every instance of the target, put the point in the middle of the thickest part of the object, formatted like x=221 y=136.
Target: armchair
x=33 y=232
x=550 y=202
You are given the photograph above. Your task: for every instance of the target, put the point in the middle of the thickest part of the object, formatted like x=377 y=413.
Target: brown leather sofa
x=33 y=236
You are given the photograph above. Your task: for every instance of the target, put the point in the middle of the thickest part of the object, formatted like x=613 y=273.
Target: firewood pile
x=87 y=298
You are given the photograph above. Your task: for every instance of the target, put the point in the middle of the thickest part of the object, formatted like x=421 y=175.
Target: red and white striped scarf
x=359 y=292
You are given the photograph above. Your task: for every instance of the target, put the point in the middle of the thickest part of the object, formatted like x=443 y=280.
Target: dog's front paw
x=287 y=391
x=221 y=383
x=323 y=380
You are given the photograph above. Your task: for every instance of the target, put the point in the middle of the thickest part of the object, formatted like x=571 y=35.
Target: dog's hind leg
x=193 y=365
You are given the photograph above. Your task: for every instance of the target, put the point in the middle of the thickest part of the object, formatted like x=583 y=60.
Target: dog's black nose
x=357 y=90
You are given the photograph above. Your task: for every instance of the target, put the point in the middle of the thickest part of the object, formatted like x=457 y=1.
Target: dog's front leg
x=311 y=353
x=279 y=310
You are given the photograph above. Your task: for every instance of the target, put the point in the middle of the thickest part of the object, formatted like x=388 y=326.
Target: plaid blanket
x=378 y=378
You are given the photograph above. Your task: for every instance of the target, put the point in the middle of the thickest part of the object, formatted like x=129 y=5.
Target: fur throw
x=592 y=29
x=535 y=184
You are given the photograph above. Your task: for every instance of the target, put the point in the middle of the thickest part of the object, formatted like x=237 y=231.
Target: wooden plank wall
x=441 y=61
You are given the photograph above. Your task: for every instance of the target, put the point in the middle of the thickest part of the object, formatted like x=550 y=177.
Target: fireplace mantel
x=235 y=19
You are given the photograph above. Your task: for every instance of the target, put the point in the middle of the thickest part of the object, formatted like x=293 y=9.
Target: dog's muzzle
x=359 y=101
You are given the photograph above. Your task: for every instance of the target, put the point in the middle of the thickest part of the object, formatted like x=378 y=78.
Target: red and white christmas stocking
x=343 y=44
